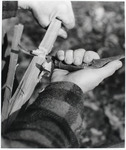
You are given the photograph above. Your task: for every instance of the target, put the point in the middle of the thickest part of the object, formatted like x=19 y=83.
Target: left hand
x=87 y=79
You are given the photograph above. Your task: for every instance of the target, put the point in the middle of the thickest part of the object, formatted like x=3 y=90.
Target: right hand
x=87 y=79
x=46 y=11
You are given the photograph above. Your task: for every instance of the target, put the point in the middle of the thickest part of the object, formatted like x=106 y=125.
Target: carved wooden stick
x=18 y=29
x=32 y=74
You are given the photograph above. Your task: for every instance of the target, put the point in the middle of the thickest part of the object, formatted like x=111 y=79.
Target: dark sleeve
x=52 y=121
x=9 y=9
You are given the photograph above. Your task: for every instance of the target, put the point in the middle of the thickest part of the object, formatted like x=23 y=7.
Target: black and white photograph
x=63 y=74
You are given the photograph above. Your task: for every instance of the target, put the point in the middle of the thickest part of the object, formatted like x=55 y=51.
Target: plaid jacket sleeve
x=52 y=121
x=9 y=9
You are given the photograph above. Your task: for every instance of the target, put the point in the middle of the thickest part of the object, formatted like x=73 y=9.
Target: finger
x=44 y=22
x=60 y=55
x=58 y=75
x=62 y=33
x=68 y=22
x=65 y=13
x=69 y=57
x=78 y=56
x=90 y=55
x=110 y=68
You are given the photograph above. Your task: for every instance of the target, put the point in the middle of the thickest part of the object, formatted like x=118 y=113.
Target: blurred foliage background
x=99 y=27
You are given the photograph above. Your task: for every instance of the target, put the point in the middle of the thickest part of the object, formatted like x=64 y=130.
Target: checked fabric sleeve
x=51 y=121
x=9 y=9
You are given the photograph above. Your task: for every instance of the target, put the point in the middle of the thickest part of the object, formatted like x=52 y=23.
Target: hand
x=87 y=79
x=46 y=11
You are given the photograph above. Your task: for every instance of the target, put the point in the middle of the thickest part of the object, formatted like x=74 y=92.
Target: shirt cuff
x=64 y=99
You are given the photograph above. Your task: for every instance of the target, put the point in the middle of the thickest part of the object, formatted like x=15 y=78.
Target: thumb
x=60 y=72
x=63 y=33
x=110 y=68
x=58 y=75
